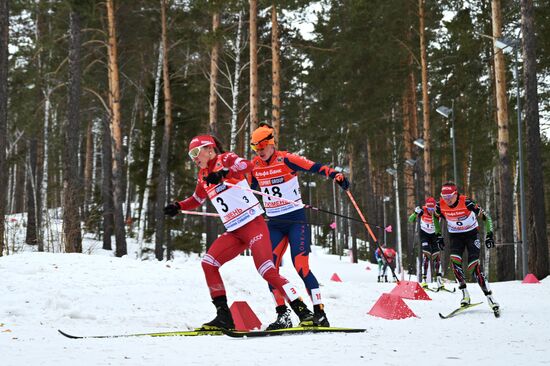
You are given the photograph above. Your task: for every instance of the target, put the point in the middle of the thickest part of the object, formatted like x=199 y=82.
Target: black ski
x=290 y=331
x=459 y=310
x=183 y=333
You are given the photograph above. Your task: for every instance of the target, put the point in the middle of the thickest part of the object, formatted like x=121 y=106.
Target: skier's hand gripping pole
x=370 y=232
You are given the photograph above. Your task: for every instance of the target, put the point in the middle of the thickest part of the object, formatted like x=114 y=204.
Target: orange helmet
x=261 y=137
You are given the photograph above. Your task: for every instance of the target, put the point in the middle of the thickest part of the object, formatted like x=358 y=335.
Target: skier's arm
x=418 y=212
x=299 y=163
x=197 y=199
x=473 y=206
x=435 y=216
x=236 y=165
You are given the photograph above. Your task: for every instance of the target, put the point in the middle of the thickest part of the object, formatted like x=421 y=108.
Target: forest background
x=99 y=99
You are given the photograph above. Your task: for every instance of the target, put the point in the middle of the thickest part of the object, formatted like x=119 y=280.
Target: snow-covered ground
x=100 y=294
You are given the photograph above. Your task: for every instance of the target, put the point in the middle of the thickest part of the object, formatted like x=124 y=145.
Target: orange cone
x=410 y=290
x=335 y=278
x=391 y=307
x=530 y=278
x=243 y=316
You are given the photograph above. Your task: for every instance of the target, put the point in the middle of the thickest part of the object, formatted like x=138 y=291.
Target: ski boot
x=319 y=316
x=424 y=284
x=493 y=304
x=379 y=279
x=283 y=319
x=385 y=278
x=223 y=319
x=465 y=297
x=439 y=281
x=304 y=314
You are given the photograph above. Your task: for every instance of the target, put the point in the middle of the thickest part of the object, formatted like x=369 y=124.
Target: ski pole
x=198 y=213
x=371 y=233
x=298 y=204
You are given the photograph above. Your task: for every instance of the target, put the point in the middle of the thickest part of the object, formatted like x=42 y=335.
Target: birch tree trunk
x=537 y=234
x=428 y=189
x=130 y=156
x=253 y=34
x=72 y=187
x=44 y=184
x=163 y=166
x=88 y=162
x=4 y=34
x=151 y=159
x=505 y=253
x=32 y=210
x=276 y=75
x=116 y=132
x=213 y=100
x=235 y=90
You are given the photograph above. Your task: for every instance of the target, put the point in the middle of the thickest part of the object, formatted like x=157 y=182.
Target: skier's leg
x=457 y=249
x=300 y=247
x=223 y=249
x=257 y=237
x=279 y=244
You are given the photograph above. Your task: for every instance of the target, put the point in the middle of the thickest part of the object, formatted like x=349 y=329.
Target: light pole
x=503 y=44
x=450 y=113
x=393 y=172
x=385 y=199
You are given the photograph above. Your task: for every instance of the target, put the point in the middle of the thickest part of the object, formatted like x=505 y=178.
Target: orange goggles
x=262 y=144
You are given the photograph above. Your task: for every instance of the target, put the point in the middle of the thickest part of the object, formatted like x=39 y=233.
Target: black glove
x=172 y=209
x=342 y=181
x=440 y=243
x=216 y=177
x=489 y=241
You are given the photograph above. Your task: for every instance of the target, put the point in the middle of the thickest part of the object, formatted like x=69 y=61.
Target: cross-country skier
x=276 y=173
x=380 y=260
x=462 y=215
x=241 y=214
x=427 y=236
x=389 y=261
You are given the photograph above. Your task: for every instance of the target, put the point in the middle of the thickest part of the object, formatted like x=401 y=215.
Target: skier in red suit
x=241 y=214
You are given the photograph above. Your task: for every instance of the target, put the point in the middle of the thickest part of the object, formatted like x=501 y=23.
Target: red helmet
x=430 y=203
x=198 y=142
x=448 y=191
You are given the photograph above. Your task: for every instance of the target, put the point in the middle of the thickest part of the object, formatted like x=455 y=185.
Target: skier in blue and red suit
x=276 y=173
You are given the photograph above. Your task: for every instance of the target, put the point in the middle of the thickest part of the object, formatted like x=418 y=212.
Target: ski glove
x=489 y=241
x=417 y=209
x=216 y=177
x=440 y=243
x=342 y=181
x=172 y=209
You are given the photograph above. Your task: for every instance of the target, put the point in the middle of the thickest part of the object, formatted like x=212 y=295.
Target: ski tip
x=68 y=335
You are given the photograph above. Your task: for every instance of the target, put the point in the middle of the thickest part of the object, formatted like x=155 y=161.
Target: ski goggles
x=194 y=152
x=262 y=144
x=448 y=197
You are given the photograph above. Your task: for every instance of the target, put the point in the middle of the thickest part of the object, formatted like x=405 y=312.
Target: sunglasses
x=448 y=196
x=194 y=152
x=262 y=144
